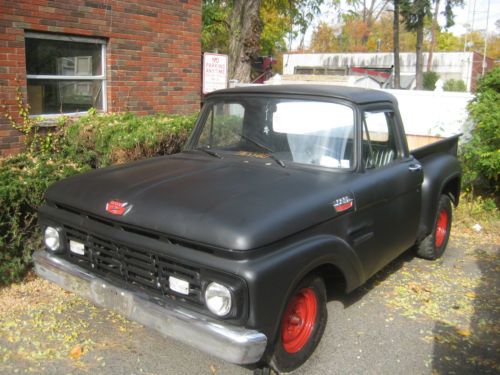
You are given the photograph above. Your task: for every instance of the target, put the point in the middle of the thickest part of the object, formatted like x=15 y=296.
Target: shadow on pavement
x=475 y=350
x=337 y=294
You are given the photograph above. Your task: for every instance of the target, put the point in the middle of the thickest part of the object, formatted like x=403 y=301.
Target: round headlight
x=52 y=238
x=218 y=299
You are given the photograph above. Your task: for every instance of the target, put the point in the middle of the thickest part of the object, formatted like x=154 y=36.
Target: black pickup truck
x=231 y=245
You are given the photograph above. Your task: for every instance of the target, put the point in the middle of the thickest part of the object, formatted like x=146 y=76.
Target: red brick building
x=112 y=55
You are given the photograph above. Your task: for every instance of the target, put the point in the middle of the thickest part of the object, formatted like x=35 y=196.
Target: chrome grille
x=139 y=267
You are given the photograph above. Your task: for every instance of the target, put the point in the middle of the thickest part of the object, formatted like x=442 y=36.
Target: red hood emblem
x=117 y=207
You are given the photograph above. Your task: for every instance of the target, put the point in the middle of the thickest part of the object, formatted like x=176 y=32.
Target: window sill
x=51 y=120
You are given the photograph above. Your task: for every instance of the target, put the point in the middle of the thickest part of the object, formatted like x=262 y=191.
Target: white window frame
x=69 y=38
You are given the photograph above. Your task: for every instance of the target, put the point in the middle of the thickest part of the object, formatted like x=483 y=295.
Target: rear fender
x=441 y=175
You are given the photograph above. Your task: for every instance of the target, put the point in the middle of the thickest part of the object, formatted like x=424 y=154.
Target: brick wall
x=477 y=68
x=153 y=52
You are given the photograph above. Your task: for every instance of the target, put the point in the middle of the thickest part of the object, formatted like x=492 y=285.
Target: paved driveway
x=415 y=317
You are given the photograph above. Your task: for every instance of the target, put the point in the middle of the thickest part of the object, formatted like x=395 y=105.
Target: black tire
x=284 y=358
x=264 y=371
x=433 y=246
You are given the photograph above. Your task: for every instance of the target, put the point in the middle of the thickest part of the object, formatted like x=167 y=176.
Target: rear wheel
x=302 y=325
x=433 y=246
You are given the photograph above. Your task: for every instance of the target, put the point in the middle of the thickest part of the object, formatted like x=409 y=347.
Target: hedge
x=92 y=141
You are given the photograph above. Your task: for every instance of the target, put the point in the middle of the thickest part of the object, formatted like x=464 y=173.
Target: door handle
x=415 y=167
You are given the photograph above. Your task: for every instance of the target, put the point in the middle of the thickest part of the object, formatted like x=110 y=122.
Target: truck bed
x=447 y=146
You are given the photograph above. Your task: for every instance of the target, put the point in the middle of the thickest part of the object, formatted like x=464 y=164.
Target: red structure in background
x=262 y=68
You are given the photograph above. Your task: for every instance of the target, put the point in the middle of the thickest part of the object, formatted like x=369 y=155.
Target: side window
x=223 y=126
x=378 y=146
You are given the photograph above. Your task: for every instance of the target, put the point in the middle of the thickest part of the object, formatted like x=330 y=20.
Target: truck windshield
x=299 y=131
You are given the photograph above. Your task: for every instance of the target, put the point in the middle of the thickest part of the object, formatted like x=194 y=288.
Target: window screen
x=65 y=74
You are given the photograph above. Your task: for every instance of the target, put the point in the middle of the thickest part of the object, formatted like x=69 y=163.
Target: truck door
x=387 y=190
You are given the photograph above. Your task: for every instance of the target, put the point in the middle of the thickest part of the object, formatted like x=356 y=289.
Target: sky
x=480 y=18
x=463 y=16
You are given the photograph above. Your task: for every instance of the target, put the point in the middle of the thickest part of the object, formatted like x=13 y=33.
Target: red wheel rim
x=441 y=228
x=298 y=320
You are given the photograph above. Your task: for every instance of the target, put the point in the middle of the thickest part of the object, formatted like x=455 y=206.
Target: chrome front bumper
x=233 y=344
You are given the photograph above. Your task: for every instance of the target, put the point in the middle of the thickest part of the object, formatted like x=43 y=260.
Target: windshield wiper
x=251 y=140
x=210 y=152
x=277 y=160
x=269 y=149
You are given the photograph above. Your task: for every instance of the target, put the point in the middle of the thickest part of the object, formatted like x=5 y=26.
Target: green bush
x=429 y=80
x=102 y=140
x=23 y=180
x=91 y=141
x=455 y=85
x=481 y=154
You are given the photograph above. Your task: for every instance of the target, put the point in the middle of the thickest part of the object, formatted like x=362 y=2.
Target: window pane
x=62 y=96
x=317 y=132
x=378 y=146
x=301 y=131
x=376 y=123
x=54 y=57
x=223 y=125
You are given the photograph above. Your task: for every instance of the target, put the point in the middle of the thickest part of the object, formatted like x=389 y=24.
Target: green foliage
x=415 y=12
x=448 y=42
x=102 y=140
x=280 y=18
x=89 y=142
x=24 y=178
x=28 y=127
x=430 y=79
x=481 y=154
x=455 y=85
x=215 y=29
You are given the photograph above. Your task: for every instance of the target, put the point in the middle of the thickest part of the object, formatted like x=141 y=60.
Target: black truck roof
x=354 y=94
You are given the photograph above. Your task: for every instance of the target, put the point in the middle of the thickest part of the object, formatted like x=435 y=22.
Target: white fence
x=426 y=115
x=433 y=113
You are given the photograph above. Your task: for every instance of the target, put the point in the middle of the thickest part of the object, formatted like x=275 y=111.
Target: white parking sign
x=214 y=72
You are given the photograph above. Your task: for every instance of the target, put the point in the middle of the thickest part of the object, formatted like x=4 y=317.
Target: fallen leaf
x=76 y=352
x=213 y=369
x=463 y=332
x=471 y=294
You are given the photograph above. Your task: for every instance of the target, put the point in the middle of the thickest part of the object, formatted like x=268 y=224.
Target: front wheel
x=302 y=325
x=433 y=246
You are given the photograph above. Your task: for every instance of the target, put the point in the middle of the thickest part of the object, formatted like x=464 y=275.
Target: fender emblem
x=117 y=207
x=343 y=204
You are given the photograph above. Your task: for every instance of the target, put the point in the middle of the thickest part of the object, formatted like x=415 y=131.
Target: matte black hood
x=234 y=203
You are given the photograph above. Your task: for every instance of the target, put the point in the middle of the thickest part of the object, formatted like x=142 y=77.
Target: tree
x=448 y=13
x=434 y=26
x=414 y=13
x=481 y=154
x=368 y=13
x=354 y=36
x=215 y=28
x=245 y=28
x=323 y=39
x=395 y=33
x=276 y=27
x=447 y=42
x=237 y=27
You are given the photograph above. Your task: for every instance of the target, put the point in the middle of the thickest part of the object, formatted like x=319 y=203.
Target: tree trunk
x=245 y=28
x=419 y=65
x=433 y=35
x=397 y=74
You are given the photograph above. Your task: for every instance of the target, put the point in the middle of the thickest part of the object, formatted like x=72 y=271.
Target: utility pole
x=486 y=36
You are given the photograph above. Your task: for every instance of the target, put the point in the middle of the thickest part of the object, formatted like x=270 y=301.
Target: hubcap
x=441 y=228
x=298 y=320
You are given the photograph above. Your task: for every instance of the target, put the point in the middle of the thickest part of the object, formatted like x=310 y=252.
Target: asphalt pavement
x=414 y=317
